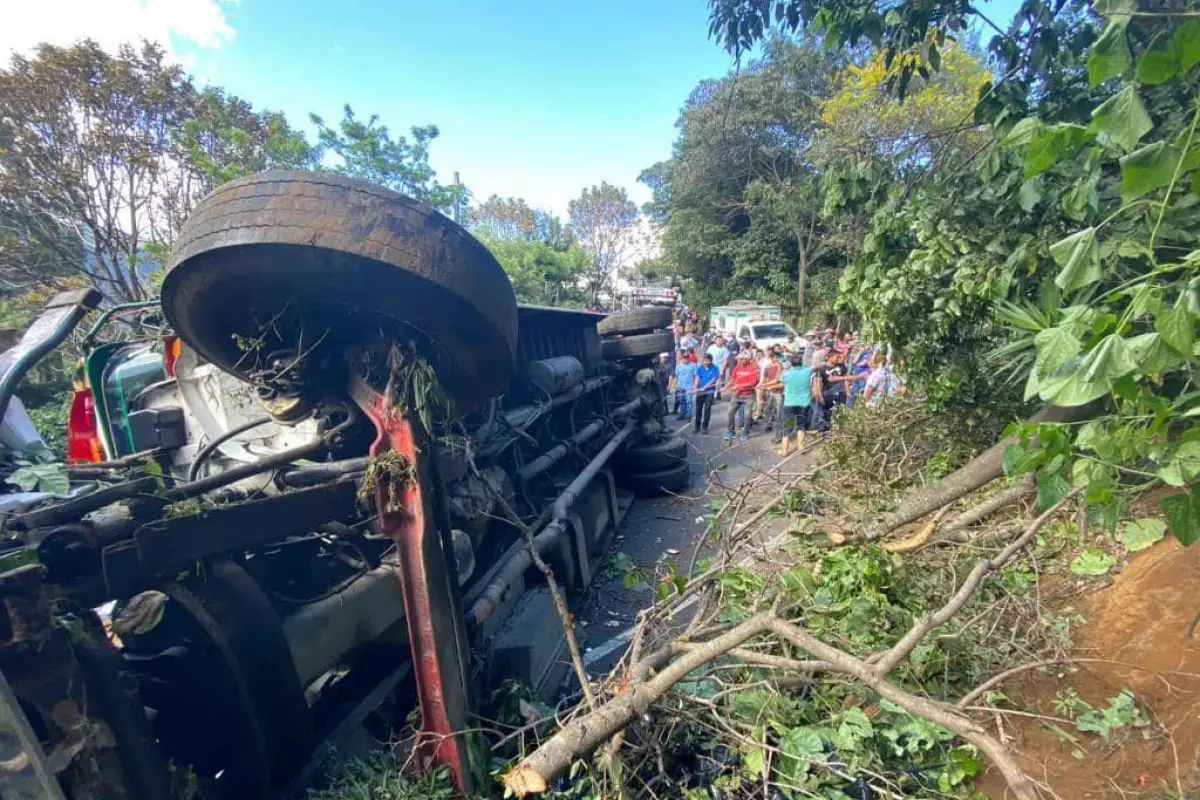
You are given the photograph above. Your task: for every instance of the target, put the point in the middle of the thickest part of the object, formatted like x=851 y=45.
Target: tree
x=367 y=150
x=86 y=144
x=654 y=270
x=502 y=218
x=224 y=138
x=602 y=220
x=103 y=156
x=863 y=121
x=1058 y=255
x=741 y=197
x=541 y=273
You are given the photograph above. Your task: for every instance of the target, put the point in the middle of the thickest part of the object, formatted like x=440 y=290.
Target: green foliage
x=225 y=138
x=1142 y=533
x=367 y=150
x=1092 y=562
x=740 y=198
x=41 y=477
x=511 y=218
x=1058 y=248
x=1120 y=711
x=540 y=273
x=383 y=777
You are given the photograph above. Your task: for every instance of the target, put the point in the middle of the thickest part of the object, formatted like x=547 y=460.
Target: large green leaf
x=1175 y=327
x=1148 y=168
x=1183 y=513
x=1055 y=347
x=1187 y=43
x=854 y=728
x=1153 y=355
x=1108 y=360
x=1051 y=144
x=1082 y=380
x=1110 y=55
x=802 y=746
x=1158 y=64
x=1079 y=257
x=1092 y=562
x=1023 y=132
x=1029 y=195
x=1082 y=197
x=1142 y=533
x=1122 y=118
x=1184 y=464
x=1051 y=488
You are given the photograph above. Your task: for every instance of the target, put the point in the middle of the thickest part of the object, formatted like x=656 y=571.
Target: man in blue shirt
x=707 y=377
x=798 y=386
x=720 y=357
x=685 y=380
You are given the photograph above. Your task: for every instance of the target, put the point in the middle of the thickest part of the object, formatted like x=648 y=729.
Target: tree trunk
x=982 y=469
x=801 y=272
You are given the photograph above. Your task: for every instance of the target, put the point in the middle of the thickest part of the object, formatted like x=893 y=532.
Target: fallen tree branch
x=587 y=732
x=954 y=530
x=1020 y=784
x=977 y=472
x=972 y=696
x=736 y=503
x=910 y=640
x=917 y=539
x=761 y=659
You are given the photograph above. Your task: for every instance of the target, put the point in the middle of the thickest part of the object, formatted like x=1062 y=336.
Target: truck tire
x=659 y=482
x=654 y=457
x=351 y=257
x=647 y=344
x=635 y=320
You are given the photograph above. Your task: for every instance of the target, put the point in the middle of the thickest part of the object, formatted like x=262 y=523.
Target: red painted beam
x=431 y=607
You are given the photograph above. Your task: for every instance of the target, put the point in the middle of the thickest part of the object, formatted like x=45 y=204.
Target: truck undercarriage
x=226 y=603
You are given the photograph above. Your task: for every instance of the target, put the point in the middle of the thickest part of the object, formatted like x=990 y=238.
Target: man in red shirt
x=743 y=381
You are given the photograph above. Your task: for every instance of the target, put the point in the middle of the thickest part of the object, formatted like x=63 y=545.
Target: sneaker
x=704 y=430
x=729 y=437
x=745 y=437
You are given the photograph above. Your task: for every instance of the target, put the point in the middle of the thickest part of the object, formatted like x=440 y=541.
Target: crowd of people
x=790 y=388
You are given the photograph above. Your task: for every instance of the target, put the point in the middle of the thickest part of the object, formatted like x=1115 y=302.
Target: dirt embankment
x=1137 y=629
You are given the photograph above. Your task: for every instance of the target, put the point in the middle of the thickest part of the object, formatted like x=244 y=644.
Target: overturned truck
x=322 y=512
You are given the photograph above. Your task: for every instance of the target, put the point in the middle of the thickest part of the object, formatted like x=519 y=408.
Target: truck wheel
x=662 y=455
x=652 y=484
x=647 y=344
x=311 y=256
x=635 y=320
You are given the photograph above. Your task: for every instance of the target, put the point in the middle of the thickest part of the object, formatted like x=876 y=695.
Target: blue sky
x=534 y=98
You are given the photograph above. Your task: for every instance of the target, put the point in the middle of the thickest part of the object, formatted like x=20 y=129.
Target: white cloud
x=199 y=23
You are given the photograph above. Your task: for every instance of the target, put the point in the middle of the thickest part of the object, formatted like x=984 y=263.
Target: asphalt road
x=665 y=529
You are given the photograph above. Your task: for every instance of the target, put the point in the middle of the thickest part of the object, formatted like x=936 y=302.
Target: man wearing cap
x=813 y=340
x=743 y=380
